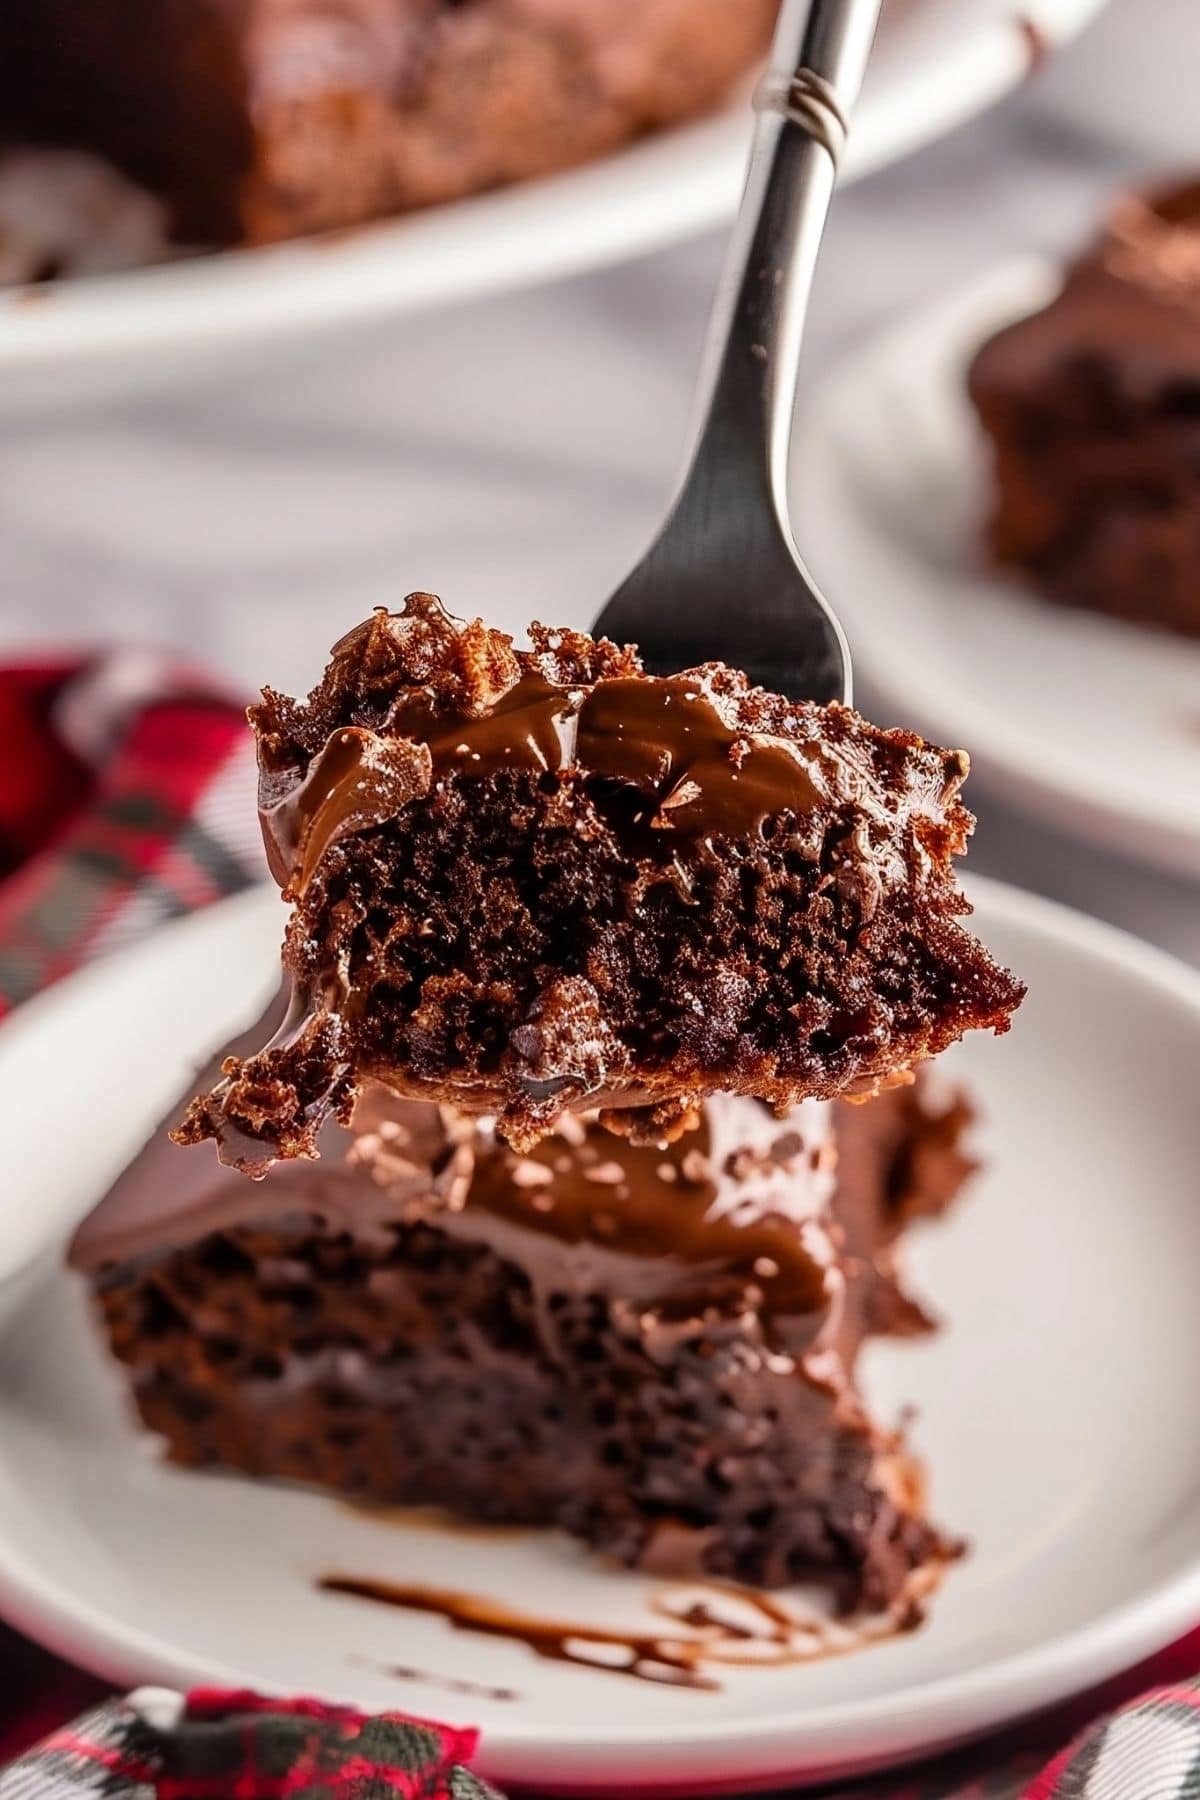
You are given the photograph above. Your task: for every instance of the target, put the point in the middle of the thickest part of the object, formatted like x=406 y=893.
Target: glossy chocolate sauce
x=646 y=1656
x=357 y=782
x=532 y=726
x=749 y=1209
x=667 y=739
x=664 y=741
x=722 y=1627
x=741 y=1203
x=168 y=1196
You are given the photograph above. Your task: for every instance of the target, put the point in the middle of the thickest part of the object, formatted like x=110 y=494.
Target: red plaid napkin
x=129 y=800
x=217 y=1746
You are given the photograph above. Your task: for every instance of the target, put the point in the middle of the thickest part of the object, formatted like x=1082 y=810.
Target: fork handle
x=752 y=357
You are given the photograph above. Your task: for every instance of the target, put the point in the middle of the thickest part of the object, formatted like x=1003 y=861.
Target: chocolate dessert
x=262 y=119
x=529 y=881
x=1092 y=408
x=651 y=1346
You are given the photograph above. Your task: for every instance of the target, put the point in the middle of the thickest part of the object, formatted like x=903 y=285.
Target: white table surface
x=512 y=456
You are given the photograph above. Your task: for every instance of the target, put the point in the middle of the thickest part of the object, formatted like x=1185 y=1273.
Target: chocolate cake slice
x=1092 y=408
x=527 y=881
x=651 y=1346
x=263 y=119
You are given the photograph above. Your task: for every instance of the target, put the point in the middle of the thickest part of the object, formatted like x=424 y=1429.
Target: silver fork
x=723 y=580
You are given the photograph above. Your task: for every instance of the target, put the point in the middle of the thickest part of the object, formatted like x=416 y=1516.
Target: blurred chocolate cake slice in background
x=1092 y=409
x=263 y=119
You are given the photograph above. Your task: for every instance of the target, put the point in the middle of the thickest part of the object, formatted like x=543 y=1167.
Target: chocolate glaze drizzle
x=667 y=739
x=532 y=726
x=740 y=1203
x=356 y=782
x=704 y=1627
x=664 y=741
x=739 y=1206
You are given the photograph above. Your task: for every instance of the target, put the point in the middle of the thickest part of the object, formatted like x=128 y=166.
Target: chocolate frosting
x=1135 y=290
x=741 y=1202
x=169 y=1196
x=739 y=1205
x=358 y=781
x=686 y=770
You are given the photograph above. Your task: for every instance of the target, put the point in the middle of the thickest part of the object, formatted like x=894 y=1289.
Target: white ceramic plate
x=937 y=62
x=1091 y=722
x=1055 y=1409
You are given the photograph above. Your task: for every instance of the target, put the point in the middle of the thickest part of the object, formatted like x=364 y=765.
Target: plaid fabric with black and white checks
x=1149 y=1750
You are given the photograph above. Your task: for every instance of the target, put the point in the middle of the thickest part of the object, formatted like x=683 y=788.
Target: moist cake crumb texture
x=529 y=881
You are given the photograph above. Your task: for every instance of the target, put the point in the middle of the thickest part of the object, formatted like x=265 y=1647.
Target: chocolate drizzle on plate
x=698 y=1628
x=453 y=1684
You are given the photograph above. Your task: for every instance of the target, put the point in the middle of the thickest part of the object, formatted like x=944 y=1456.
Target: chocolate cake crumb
x=526 y=881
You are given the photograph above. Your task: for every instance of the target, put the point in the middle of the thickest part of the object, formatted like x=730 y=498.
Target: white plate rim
x=950 y=1709
x=652 y=194
x=1154 y=826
